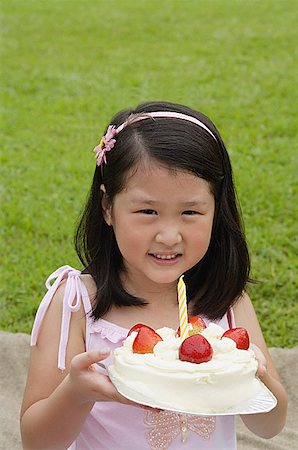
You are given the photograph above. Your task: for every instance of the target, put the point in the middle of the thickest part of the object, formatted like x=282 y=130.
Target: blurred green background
x=69 y=65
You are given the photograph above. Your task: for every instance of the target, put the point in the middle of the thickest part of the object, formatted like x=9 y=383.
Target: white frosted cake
x=165 y=381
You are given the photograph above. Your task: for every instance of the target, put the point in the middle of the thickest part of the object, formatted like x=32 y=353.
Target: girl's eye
x=148 y=211
x=190 y=213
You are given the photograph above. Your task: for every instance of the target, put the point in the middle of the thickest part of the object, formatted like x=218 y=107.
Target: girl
x=162 y=204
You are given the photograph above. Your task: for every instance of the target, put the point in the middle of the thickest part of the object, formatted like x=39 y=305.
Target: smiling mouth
x=165 y=257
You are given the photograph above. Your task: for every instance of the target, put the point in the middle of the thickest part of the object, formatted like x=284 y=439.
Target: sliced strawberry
x=197 y=325
x=239 y=335
x=136 y=328
x=195 y=349
x=145 y=340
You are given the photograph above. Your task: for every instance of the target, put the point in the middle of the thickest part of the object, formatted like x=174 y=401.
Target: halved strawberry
x=197 y=325
x=195 y=349
x=136 y=328
x=239 y=335
x=145 y=340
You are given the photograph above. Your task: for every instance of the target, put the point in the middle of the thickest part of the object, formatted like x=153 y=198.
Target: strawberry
x=196 y=325
x=136 y=328
x=195 y=349
x=145 y=340
x=239 y=335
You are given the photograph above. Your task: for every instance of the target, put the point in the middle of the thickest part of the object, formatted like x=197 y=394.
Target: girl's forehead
x=146 y=171
x=158 y=181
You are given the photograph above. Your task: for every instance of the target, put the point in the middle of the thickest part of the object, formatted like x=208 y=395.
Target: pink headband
x=108 y=141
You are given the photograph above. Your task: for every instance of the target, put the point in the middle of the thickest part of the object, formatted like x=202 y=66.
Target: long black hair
x=216 y=281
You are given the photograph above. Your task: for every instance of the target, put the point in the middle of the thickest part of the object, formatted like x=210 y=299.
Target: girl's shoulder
x=243 y=308
x=67 y=303
x=246 y=317
x=90 y=284
x=67 y=281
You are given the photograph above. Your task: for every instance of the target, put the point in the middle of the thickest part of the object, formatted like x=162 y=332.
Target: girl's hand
x=87 y=384
x=262 y=363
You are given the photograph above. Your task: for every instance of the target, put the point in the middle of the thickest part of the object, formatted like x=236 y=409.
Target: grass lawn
x=69 y=65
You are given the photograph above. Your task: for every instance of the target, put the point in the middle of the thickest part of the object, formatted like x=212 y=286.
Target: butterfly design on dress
x=167 y=426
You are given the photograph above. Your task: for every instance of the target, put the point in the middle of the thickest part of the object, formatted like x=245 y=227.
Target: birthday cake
x=208 y=372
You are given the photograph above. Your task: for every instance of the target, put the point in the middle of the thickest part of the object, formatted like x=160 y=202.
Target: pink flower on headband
x=106 y=144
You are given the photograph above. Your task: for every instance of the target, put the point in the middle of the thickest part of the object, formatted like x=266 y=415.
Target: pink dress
x=114 y=426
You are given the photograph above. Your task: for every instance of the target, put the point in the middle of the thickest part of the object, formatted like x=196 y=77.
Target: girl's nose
x=168 y=236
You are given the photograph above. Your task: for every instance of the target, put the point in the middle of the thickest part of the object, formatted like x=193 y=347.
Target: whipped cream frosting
x=160 y=378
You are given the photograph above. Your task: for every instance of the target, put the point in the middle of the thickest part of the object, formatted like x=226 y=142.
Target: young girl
x=162 y=204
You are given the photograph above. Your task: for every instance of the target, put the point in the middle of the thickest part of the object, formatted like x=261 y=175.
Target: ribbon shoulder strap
x=75 y=294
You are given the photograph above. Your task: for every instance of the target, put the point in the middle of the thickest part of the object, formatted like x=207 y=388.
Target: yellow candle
x=182 y=308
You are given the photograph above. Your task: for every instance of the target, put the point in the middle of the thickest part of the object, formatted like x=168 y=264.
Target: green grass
x=68 y=66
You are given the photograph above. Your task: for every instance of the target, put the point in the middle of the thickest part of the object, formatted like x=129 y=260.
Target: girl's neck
x=156 y=315
x=161 y=308
x=152 y=293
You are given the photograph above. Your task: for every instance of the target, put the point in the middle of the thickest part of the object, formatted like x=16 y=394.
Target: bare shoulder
x=244 y=310
x=90 y=286
x=43 y=374
x=246 y=317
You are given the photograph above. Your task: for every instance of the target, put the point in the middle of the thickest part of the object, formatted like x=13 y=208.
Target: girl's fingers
x=96 y=386
x=261 y=370
x=85 y=360
x=262 y=363
x=110 y=392
x=100 y=386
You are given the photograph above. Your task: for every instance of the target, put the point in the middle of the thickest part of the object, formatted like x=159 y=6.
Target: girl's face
x=162 y=222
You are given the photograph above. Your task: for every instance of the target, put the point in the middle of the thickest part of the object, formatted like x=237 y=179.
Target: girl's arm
x=265 y=425
x=55 y=403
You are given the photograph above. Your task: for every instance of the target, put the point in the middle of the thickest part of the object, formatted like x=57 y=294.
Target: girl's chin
x=164 y=277
x=152 y=280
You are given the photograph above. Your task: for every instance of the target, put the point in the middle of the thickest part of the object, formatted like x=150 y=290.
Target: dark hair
x=218 y=280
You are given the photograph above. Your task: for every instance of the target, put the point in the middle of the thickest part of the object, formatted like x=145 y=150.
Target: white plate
x=262 y=402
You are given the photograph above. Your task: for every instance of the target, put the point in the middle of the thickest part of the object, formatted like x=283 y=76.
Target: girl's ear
x=106 y=208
